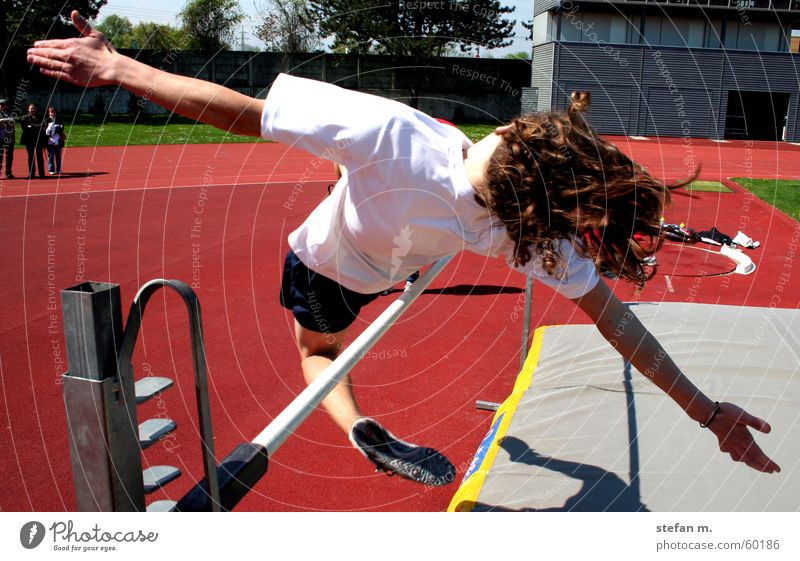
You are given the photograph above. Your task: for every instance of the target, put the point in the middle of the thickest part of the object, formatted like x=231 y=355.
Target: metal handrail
x=125 y=366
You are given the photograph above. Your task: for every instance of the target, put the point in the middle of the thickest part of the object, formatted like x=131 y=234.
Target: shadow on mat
x=471 y=290
x=602 y=491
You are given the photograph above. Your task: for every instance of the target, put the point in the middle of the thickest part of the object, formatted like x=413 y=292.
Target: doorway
x=756 y=115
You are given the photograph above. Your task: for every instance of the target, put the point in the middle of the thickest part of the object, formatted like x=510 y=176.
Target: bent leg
x=421 y=464
x=317 y=351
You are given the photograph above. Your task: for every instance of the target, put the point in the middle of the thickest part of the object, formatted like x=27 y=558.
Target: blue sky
x=163 y=12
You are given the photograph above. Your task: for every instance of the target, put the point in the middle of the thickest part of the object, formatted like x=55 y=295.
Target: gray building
x=683 y=68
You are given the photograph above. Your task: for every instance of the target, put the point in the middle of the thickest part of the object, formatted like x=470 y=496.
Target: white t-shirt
x=405 y=199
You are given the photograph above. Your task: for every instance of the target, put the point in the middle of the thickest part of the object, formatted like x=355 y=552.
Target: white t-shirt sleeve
x=326 y=120
x=580 y=274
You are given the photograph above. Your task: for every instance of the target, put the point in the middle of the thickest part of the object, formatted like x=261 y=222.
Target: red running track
x=218 y=216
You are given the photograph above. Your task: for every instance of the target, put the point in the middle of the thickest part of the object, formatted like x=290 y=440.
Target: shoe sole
x=433 y=469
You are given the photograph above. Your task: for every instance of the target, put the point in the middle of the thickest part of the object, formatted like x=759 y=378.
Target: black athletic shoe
x=423 y=465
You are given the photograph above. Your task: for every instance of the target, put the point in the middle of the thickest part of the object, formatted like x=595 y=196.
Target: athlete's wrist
x=701 y=408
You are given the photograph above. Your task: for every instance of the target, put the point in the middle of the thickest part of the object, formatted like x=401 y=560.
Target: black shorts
x=317 y=302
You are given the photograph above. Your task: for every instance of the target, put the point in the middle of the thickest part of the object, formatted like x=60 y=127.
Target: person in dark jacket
x=34 y=139
x=7 y=138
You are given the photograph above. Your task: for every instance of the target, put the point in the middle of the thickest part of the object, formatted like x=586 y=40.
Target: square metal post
x=101 y=414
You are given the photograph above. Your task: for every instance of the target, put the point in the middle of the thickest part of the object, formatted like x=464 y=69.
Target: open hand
x=87 y=60
x=730 y=427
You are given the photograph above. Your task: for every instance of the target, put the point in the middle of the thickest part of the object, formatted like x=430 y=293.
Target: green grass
x=476 y=131
x=121 y=130
x=784 y=194
x=708 y=187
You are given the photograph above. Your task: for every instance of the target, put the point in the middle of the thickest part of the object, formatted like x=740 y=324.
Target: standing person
x=54 y=129
x=34 y=139
x=8 y=138
x=545 y=191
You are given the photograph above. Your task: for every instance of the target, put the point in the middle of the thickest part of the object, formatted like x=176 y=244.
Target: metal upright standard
x=484 y=405
x=526 y=319
x=103 y=440
x=101 y=397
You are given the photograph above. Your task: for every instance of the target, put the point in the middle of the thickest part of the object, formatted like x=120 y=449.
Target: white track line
x=289 y=184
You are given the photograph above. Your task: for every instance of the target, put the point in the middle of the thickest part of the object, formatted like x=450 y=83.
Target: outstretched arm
x=637 y=345
x=90 y=61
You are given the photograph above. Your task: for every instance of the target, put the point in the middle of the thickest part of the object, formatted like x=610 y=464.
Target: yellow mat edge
x=467 y=493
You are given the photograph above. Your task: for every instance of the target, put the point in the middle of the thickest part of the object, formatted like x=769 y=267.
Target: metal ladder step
x=146 y=388
x=158 y=476
x=162 y=506
x=153 y=429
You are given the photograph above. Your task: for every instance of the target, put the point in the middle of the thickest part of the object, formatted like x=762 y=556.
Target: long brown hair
x=553 y=178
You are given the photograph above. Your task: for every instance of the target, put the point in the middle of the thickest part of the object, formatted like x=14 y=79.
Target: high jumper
x=544 y=191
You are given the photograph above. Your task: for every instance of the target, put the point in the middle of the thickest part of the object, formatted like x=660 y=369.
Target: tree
x=422 y=30
x=119 y=30
x=529 y=26
x=211 y=24
x=521 y=55
x=287 y=26
x=158 y=37
x=24 y=21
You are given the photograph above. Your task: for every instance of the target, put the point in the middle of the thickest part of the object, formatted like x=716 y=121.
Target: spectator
x=7 y=138
x=34 y=139
x=54 y=130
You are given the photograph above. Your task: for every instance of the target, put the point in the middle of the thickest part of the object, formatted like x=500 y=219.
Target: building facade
x=684 y=68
